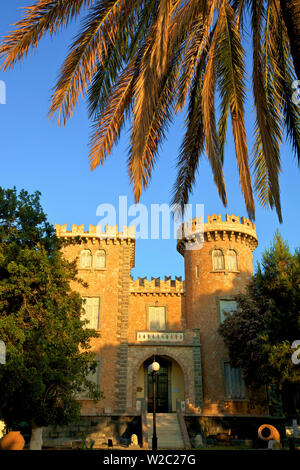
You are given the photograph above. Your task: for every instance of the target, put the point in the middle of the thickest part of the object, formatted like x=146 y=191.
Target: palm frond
x=193 y=143
x=129 y=40
x=105 y=77
x=285 y=77
x=159 y=53
x=109 y=123
x=42 y=17
x=208 y=115
x=144 y=146
x=267 y=135
x=197 y=42
x=230 y=67
x=100 y=30
x=262 y=178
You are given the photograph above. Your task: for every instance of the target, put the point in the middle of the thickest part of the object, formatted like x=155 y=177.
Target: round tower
x=218 y=265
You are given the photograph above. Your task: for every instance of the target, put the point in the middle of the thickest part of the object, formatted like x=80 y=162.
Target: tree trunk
x=291 y=16
x=36 y=439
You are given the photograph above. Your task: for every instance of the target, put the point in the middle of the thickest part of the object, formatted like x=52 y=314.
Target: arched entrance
x=170 y=384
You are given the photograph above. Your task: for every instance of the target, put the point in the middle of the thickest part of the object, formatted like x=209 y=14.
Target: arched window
x=100 y=259
x=85 y=259
x=218 y=260
x=232 y=260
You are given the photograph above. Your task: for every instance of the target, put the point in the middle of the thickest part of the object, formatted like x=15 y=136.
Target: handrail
x=144 y=423
x=182 y=425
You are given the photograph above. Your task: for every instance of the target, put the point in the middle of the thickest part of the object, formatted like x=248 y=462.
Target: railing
x=182 y=425
x=141 y=407
x=160 y=336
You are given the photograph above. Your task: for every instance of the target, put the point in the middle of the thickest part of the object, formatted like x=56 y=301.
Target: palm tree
x=146 y=60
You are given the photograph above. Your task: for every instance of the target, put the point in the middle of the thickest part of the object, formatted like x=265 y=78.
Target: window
x=218 y=260
x=157 y=318
x=226 y=308
x=232 y=260
x=100 y=259
x=91 y=306
x=197 y=272
x=234 y=383
x=93 y=377
x=85 y=259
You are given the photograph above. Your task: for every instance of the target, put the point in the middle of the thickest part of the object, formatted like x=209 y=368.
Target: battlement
x=94 y=231
x=158 y=286
x=240 y=228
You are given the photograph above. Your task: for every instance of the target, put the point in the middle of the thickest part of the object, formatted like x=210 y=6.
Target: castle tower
x=218 y=265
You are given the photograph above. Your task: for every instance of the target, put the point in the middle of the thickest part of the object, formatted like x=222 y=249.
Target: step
x=167 y=430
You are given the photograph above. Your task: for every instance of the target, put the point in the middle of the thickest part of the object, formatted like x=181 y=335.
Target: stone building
x=174 y=321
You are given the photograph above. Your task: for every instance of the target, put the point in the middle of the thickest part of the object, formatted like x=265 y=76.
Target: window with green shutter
x=234 y=382
x=226 y=308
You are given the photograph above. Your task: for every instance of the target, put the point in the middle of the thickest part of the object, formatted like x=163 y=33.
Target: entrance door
x=162 y=392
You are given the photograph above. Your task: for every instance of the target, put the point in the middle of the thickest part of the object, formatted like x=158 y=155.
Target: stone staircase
x=167 y=430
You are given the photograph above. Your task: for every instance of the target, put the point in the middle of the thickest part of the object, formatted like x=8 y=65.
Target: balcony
x=160 y=336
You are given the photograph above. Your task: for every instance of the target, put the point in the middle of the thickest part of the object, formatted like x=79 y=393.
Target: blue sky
x=38 y=155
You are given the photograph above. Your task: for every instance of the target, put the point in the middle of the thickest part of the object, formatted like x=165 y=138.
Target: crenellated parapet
x=95 y=231
x=157 y=286
x=234 y=227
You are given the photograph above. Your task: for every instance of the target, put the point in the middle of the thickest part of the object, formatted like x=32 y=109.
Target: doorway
x=163 y=386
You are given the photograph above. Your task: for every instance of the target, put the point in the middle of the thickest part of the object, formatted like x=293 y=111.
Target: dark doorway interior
x=162 y=388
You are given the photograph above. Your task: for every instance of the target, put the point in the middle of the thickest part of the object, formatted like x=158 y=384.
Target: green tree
x=47 y=344
x=148 y=59
x=261 y=333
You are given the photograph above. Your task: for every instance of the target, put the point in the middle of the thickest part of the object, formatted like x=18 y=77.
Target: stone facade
x=188 y=344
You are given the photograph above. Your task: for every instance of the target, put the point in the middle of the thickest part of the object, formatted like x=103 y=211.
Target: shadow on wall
x=214 y=351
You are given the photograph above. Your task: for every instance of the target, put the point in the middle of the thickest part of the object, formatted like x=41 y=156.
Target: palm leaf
x=267 y=136
x=193 y=143
x=109 y=123
x=230 y=67
x=208 y=115
x=143 y=154
x=197 y=42
x=39 y=18
x=100 y=30
x=159 y=53
x=285 y=76
x=130 y=38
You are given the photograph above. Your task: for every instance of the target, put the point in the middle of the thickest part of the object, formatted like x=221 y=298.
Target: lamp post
x=153 y=369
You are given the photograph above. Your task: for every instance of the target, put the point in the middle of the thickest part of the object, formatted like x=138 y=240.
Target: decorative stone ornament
x=273 y=437
x=134 y=440
x=12 y=441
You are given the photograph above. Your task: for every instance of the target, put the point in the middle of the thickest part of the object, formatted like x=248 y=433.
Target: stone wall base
x=230 y=430
x=98 y=428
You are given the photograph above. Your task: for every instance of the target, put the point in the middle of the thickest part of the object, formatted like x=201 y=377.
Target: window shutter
x=92 y=307
x=100 y=256
x=85 y=259
x=231 y=260
x=93 y=377
x=227 y=307
x=218 y=260
x=157 y=318
x=234 y=382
